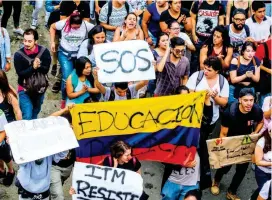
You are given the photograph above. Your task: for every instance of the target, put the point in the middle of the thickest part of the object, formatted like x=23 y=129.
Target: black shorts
x=5 y=153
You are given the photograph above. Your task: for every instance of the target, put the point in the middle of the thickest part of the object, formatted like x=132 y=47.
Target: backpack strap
x=199 y=78
x=74 y=79
x=25 y=56
x=41 y=52
x=128 y=93
x=89 y=47
x=221 y=82
x=112 y=95
x=86 y=34
x=109 y=11
x=247 y=30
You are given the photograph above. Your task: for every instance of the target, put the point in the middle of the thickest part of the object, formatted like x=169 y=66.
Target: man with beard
x=238 y=31
x=173 y=68
x=238 y=119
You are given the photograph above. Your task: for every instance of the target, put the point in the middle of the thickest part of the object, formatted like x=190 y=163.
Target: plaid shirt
x=169 y=79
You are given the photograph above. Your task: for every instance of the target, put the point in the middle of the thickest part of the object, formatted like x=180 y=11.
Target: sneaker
x=215 y=188
x=56 y=87
x=3 y=174
x=9 y=179
x=62 y=104
x=231 y=196
x=34 y=24
x=54 y=70
x=18 y=31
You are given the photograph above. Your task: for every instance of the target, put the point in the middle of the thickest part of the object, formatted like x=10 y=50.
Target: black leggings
x=7 y=5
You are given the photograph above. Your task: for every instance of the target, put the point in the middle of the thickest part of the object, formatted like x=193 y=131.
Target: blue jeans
x=30 y=107
x=268 y=9
x=67 y=67
x=262 y=97
x=173 y=191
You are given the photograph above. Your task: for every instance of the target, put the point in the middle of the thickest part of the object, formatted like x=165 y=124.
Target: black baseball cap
x=239 y=11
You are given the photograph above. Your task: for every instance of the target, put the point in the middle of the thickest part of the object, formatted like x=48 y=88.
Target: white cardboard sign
x=124 y=61
x=94 y=182
x=35 y=139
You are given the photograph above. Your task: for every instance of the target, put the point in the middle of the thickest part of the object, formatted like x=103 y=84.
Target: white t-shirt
x=265 y=190
x=267 y=105
x=203 y=85
x=186 y=176
x=132 y=88
x=266 y=156
x=259 y=31
x=72 y=40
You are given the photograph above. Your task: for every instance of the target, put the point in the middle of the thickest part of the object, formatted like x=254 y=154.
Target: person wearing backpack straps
x=120 y=91
x=112 y=15
x=244 y=71
x=74 y=30
x=29 y=61
x=5 y=59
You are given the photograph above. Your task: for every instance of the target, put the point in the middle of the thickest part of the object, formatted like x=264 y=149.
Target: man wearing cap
x=238 y=119
x=238 y=31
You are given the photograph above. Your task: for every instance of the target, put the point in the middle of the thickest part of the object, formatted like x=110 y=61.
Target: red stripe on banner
x=167 y=153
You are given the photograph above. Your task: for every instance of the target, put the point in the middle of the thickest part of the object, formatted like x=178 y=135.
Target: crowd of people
x=223 y=47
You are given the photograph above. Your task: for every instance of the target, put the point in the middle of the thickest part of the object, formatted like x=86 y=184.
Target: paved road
x=152 y=171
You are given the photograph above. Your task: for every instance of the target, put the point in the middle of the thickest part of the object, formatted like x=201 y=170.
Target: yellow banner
x=138 y=115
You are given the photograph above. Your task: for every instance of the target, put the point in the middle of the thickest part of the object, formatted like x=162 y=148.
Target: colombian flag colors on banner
x=164 y=129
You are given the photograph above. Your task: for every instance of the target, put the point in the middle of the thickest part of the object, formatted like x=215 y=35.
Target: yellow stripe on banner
x=138 y=115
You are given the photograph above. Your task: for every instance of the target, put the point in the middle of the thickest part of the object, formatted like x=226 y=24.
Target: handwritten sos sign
x=124 y=61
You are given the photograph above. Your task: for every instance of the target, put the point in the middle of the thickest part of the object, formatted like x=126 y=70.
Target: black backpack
x=37 y=83
x=112 y=94
x=110 y=10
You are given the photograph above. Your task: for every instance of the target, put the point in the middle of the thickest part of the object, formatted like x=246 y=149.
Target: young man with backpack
x=120 y=91
x=112 y=15
x=32 y=63
x=238 y=31
x=238 y=119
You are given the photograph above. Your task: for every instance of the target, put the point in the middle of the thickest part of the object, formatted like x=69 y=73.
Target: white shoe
x=18 y=31
x=34 y=24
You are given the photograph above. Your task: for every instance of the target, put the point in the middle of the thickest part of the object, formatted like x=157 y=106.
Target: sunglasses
x=179 y=51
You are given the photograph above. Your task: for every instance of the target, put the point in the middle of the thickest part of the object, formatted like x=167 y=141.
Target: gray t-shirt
x=186 y=176
x=116 y=19
x=133 y=91
x=237 y=39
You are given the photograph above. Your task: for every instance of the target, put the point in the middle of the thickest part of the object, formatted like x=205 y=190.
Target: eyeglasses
x=179 y=51
x=239 y=20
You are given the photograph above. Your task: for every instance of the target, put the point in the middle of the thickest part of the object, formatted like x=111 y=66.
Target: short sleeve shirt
x=266 y=156
x=116 y=19
x=203 y=85
x=207 y=17
x=72 y=40
x=166 y=17
x=132 y=88
x=68 y=7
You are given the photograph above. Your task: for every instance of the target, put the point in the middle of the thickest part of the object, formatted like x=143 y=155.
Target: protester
x=120 y=91
x=244 y=71
x=263 y=53
x=238 y=32
x=173 y=68
x=95 y=36
x=233 y=5
x=151 y=20
x=51 y=6
x=259 y=24
x=78 y=87
x=68 y=7
x=238 y=119
x=112 y=15
x=74 y=31
x=218 y=45
x=32 y=62
x=129 y=30
x=37 y=4
x=267 y=109
x=175 y=12
x=16 y=5
x=263 y=160
x=203 y=24
x=5 y=59
x=61 y=171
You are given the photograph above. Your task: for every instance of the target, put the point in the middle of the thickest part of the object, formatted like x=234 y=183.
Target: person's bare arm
x=52 y=37
x=140 y=85
x=140 y=35
x=108 y=27
x=184 y=80
x=226 y=61
x=268 y=114
x=2 y=135
x=149 y=2
x=97 y=84
x=221 y=20
x=97 y=8
x=233 y=74
x=224 y=131
x=193 y=21
x=259 y=126
x=228 y=12
x=16 y=107
x=164 y=27
x=222 y=101
x=188 y=24
x=203 y=56
x=259 y=157
x=63 y=111
x=269 y=71
x=70 y=89
x=117 y=37
x=145 y=21
x=161 y=64
x=256 y=77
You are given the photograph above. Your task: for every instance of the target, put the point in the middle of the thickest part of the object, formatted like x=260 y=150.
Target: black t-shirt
x=132 y=165
x=68 y=161
x=68 y=7
x=207 y=17
x=166 y=17
x=240 y=123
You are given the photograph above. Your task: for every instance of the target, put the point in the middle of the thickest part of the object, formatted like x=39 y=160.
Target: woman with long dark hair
x=244 y=71
x=217 y=45
x=95 y=36
x=74 y=30
x=78 y=87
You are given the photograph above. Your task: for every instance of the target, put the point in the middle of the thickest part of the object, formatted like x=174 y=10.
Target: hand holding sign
x=124 y=61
